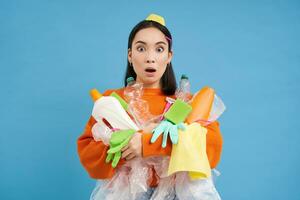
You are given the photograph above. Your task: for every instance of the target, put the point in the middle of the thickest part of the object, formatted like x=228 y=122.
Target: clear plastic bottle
x=183 y=92
x=137 y=107
x=133 y=90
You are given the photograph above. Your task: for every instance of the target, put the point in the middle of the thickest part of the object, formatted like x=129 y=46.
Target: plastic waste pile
x=186 y=173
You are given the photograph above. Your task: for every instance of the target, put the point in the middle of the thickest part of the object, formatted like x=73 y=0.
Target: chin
x=150 y=80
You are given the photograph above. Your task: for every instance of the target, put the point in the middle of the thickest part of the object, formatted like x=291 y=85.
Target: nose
x=150 y=58
x=150 y=61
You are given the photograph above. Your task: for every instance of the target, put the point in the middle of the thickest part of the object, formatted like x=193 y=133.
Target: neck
x=149 y=85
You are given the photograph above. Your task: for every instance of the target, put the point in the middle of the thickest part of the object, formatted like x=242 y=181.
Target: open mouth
x=150 y=69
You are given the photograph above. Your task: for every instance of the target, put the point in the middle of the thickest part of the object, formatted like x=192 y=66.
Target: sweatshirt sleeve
x=92 y=153
x=214 y=144
x=155 y=149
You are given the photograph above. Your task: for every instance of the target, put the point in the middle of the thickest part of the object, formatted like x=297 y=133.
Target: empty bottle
x=137 y=107
x=183 y=91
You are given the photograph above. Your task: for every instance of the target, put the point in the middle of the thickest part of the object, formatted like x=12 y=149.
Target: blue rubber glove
x=167 y=128
x=173 y=121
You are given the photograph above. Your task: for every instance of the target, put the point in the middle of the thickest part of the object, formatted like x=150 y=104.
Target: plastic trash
x=201 y=189
x=109 y=108
x=183 y=92
x=137 y=107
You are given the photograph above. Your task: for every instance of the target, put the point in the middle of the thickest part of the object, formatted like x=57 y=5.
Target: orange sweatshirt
x=92 y=153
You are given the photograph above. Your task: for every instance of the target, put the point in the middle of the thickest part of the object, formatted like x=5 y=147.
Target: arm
x=213 y=145
x=155 y=149
x=92 y=153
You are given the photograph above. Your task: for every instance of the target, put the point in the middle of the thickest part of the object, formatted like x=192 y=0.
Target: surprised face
x=149 y=56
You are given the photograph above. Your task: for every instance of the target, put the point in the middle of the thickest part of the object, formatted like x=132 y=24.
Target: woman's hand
x=133 y=148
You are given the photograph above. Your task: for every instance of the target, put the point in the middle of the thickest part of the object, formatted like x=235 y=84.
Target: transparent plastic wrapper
x=202 y=189
x=180 y=185
x=217 y=110
x=112 y=189
x=130 y=181
x=101 y=132
x=165 y=189
x=160 y=165
x=138 y=176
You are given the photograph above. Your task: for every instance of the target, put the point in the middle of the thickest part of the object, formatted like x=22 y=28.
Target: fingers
x=119 y=147
x=174 y=134
x=156 y=134
x=115 y=149
x=130 y=156
x=125 y=148
x=109 y=157
x=125 y=142
x=165 y=137
x=126 y=153
x=181 y=126
x=116 y=159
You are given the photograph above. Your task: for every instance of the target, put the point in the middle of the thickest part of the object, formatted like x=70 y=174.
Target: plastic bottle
x=133 y=90
x=183 y=91
x=137 y=107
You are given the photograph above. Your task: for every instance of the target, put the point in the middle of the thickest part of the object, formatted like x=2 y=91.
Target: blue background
x=53 y=52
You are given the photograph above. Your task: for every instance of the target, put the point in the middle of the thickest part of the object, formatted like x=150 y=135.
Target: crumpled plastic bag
x=129 y=182
x=201 y=189
x=165 y=189
x=217 y=109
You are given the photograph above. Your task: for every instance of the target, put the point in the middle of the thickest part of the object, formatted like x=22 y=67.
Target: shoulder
x=119 y=91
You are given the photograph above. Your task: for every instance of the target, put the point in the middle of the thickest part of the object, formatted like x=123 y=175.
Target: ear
x=129 y=55
x=170 y=56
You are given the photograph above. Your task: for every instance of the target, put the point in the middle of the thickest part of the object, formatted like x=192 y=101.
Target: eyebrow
x=160 y=42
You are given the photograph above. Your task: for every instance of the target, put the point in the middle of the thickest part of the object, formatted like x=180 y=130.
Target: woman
x=149 y=62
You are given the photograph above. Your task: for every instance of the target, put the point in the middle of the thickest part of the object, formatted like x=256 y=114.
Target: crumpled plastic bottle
x=138 y=108
x=183 y=92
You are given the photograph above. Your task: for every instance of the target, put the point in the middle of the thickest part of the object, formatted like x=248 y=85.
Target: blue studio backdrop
x=53 y=52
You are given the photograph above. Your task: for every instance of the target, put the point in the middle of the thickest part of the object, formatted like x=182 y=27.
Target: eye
x=160 y=49
x=140 y=49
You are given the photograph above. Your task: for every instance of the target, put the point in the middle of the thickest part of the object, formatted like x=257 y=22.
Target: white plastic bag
x=201 y=189
x=129 y=182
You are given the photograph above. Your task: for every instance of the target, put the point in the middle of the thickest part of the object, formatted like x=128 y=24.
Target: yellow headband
x=156 y=18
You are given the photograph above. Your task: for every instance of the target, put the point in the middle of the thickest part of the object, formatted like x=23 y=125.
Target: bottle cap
x=129 y=80
x=183 y=76
x=95 y=94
